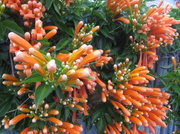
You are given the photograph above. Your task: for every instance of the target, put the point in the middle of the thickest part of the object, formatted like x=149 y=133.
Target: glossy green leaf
x=44 y=41
x=62 y=43
x=13 y=27
x=56 y=8
x=96 y=115
x=66 y=113
x=41 y=92
x=108 y=118
x=100 y=14
x=167 y=66
x=101 y=124
x=5 y=106
x=58 y=63
x=49 y=3
x=2 y=31
x=33 y=78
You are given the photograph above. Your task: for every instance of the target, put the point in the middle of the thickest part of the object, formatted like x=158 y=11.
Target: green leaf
x=100 y=14
x=96 y=115
x=33 y=78
x=70 y=31
x=101 y=126
x=49 y=3
x=58 y=63
x=13 y=27
x=176 y=88
x=56 y=8
x=4 y=108
x=62 y=43
x=105 y=32
x=66 y=113
x=41 y=93
x=167 y=66
x=108 y=118
x=59 y=93
x=2 y=32
x=44 y=41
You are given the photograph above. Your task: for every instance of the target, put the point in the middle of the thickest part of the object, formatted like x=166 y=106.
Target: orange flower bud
x=53 y=112
x=50 y=34
x=19 y=41
x=123 y=20
x=25 y=131
x=37 y=54
x=18 y=118
x=22 y=91
x=55 y=120
x=87 y=38
x=9 y=77
x=67 y=125
x=24 y=110
x=78 y=27
x=94 y=29
x=79 y=107
x=174 y=62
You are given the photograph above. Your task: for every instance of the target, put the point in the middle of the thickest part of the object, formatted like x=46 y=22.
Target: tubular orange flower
x=94 y=29
x=123 y=20
x=67 y=125
x=18 y=118
x=90 y=57
x=37 y=54
x=25 y=130
x=156 y=119
x=63 y=57
x=72 y=131
x=62 y=78
x=78 y=27
x=22 y=91
x=8 y=82
x=174 y=62
x=78 y=128
x=79 y=107
x=24 y=57
x=111 y=129
x=126 y=130
x=45 y=129
x=135 y=120
x=54 y=120
x=81 y=73
x=50 y=27
x=87 y=38
x=23 y=109
x=35 y=119
x=40 y=69
x=9 y=77
x=19 y=41
x=50 y=34
x=125 y=111
x=77 y=53
x=53 y=112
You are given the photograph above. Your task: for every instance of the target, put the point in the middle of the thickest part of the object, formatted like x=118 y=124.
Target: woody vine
x=83 y=60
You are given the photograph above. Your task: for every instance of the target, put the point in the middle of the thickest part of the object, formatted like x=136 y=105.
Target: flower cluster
x=30 y=11
x=69 y=73
x=137 y=103
x=153 y=28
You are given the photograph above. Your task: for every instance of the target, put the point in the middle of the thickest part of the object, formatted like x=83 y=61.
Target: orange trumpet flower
x=19 y=41
x=54 y=120
x=17 y=118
